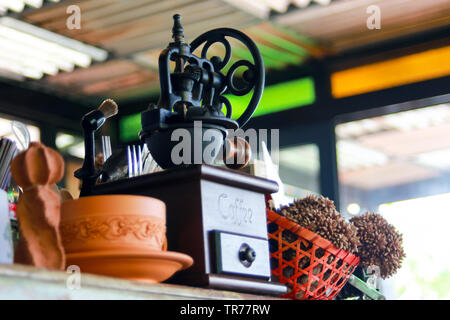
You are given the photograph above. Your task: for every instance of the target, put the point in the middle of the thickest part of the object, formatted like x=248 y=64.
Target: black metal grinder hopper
x=195 y=93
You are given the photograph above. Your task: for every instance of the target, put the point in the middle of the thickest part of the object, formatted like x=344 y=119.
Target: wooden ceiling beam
x=58 y=11
x=191 y=31
x=318 y=13
x=346 y=26
x=158 y=22
x=128 y=15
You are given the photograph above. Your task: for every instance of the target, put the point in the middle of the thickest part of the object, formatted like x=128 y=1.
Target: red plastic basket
x=311 y=266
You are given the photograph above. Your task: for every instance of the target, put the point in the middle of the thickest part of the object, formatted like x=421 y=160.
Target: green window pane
x=278 y=97
x=129 y=127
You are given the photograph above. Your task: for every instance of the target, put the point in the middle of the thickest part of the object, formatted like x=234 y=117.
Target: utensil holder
x=6 y=243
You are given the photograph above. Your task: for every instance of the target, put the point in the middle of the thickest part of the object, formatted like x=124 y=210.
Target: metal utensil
x=130 y=162
x=104 y=151
x=149 y=164
x=135 y=165
x=134 y=156
x=106 y=146
x=139 y=157
x=21 y=133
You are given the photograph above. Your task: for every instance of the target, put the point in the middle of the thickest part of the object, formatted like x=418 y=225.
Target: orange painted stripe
x=416 y=67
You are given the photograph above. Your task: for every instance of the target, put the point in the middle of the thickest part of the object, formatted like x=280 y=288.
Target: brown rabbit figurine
x=35 y=170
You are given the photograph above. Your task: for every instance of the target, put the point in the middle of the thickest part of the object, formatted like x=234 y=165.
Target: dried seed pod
x=380 y=243
x=299 y=295
x=317 y=269
x=303 y=279
x=319 y=215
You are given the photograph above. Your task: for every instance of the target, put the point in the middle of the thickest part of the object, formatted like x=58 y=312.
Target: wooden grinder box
x=218 y=217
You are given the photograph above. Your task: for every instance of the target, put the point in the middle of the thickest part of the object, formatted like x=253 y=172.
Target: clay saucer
x=150 y=266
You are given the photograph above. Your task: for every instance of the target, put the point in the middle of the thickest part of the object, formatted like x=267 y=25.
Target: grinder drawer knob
x=247 y=255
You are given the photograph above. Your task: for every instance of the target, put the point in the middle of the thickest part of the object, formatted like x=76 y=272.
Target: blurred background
x=358 y=88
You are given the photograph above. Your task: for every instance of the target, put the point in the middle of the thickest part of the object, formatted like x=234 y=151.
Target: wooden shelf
x=25 y=282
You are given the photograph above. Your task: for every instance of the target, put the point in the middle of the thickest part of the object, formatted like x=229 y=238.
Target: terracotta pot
x=113 y=223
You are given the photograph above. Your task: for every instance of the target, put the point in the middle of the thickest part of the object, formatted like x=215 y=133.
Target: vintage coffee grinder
x=215 y=215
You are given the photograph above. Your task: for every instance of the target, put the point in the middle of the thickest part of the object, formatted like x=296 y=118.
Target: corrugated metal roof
x=134 y=32
x=343 y=24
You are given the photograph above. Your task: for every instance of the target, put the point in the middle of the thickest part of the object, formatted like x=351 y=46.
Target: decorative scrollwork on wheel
x=248 y=77
x=253 y=76
x=218 y=62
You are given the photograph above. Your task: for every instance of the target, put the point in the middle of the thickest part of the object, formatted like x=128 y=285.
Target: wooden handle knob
x=237 y=153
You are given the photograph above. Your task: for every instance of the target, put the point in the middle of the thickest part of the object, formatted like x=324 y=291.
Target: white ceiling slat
x=33 y=51
x=32 y=34
x=110 y=69
x=20 y=69
x=29 y=62
x=277 y=5
x=263 y=8
x=19 y=5
x=36 y=57
x=34 y=3
x=13 y=5
x=256 y=8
